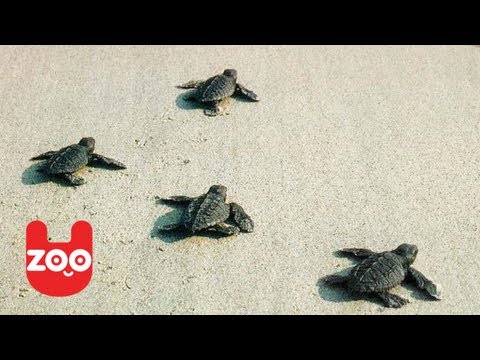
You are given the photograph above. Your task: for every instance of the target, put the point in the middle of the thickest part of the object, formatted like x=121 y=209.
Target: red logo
x=59 y=269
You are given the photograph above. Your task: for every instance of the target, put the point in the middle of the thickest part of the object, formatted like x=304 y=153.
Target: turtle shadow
x=338 y=293
x=167 y=236
x=188 y=104
x=195 y=105
x=32 y=176
x=335 y=293
x=173 y=217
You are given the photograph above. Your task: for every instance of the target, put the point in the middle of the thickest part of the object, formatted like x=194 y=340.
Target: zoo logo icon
x=59 y=268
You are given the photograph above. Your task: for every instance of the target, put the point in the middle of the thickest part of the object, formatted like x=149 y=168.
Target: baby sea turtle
x=380 y=272
x=72 y=158
x=216 y=91
x=209 y=212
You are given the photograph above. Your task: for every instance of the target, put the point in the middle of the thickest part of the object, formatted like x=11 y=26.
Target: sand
x=350 y=146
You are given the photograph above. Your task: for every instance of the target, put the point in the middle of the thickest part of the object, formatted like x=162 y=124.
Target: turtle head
x=219 y=190
x=231 y=73
x=89 y=143
x=408 y=251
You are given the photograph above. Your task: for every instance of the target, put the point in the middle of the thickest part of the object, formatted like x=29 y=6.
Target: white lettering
x=37 y=256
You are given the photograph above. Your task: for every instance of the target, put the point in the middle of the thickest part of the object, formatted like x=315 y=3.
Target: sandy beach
x=350 y=146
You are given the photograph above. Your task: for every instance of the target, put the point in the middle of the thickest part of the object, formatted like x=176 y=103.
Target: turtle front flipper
x=192 y=84
x=243 y=91
x=73 y=180
x=241 y=218
x=357 y=252
x=392 y=300
x=106 y=161
x=225 y=229
x=44 y=156
x=425 y=283
x=218 y=107
x=176 y=199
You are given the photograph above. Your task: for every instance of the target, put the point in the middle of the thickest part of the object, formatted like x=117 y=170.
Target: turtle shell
x=68 y=160
x=378 y=273
x=216 y=88
x=206 y=211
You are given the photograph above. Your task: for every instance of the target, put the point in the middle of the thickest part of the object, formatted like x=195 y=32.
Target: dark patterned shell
x=216 y=88
x=68 y=160
x=377 y=273
x=206 y=211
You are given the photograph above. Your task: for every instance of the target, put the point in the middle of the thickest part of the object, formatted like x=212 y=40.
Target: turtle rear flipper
x=170 y=227
x=357 y=252
x=425 y=283
x=44 y=156
x=243 y=91
x=96 y=158
x=225 y=229
x=392 y=300
x=218 y=107
x=241 y=218
x=335 y=279
x=192 y=84
x=73 y=180
x=213 y=109
x=176 y=199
